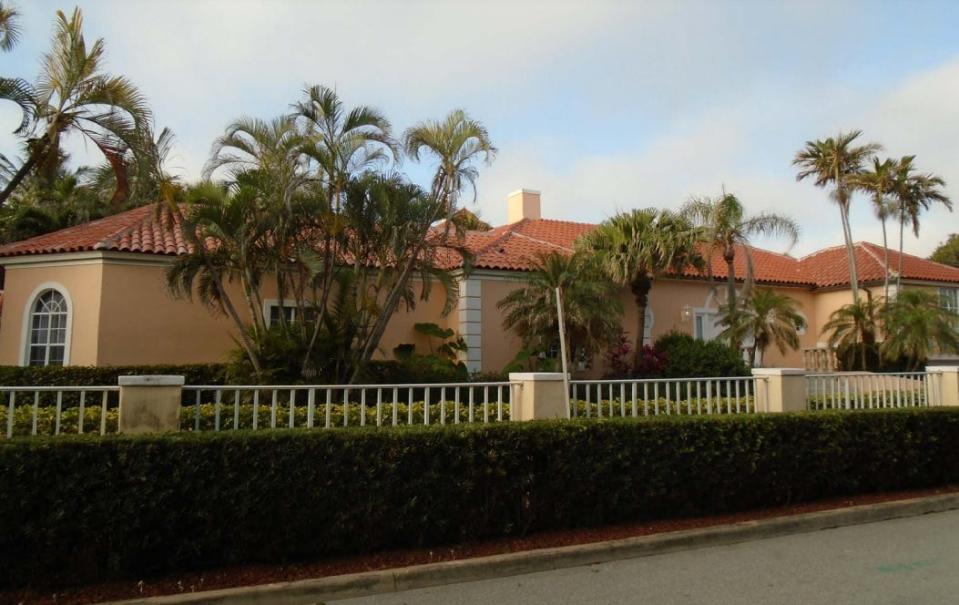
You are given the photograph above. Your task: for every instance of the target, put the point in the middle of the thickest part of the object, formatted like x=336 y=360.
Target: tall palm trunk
x=885 y=252
x=640 y=287
x=902 y=224
x=730 y=257
x=850 y=253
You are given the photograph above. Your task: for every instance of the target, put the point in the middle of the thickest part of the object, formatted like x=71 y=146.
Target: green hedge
x=83 y=509
x=200 y=373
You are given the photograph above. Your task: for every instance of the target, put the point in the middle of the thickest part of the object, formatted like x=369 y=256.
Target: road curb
x=303 y=592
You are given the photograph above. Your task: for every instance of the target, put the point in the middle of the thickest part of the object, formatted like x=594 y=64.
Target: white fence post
x=541 y=396
x=947 y=387
x=780 y=389
x=150 y=404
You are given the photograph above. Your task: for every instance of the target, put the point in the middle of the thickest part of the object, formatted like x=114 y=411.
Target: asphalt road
x=910 y=561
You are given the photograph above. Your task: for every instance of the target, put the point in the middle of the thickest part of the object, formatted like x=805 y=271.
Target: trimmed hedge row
x=200 y=373
x=84 y=509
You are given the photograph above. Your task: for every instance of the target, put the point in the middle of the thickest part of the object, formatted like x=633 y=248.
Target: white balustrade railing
x=254 y=407
x=57 y=410
x=864 y=390
x=651 y=397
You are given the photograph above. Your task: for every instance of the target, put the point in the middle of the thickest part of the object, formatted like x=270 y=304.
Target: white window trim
x=28 y=314
x=650 y=323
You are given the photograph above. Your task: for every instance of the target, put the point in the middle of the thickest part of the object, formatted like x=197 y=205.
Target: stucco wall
x=500 y=345
x=141 y=323
x=82 y=284
x=136 y=321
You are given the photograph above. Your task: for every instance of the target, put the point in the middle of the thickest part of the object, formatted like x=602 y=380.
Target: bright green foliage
x=687 y=356
x=852 y=331
x=947 y=252
x=916 y=326
x=770 y=318
x=91 y=509
x=590 y=324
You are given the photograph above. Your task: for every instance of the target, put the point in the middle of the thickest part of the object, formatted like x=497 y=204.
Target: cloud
x=747 y=146
x=603 y=105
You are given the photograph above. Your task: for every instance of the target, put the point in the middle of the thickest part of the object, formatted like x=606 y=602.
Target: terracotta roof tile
x=508 y=247
x=143 y=230
x=830 y=267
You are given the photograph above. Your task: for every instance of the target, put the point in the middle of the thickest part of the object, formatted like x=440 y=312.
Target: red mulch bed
x=248 y=575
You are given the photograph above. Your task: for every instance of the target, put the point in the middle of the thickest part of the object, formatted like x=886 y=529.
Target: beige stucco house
x=95 y=294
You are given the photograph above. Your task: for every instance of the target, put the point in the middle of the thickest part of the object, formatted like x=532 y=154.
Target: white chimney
x=523 y=203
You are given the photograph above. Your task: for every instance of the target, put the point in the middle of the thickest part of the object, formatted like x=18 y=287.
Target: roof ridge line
x=882 y=263
x=114 y=239
x=501 y=237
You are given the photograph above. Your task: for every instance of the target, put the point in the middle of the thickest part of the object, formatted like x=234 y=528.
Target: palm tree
x=73 y=95
x=531 y=310
x=837 y=162
x=457 y=142
x=341 y=143
x=228 y=233
x=634 y=248
x=880 y=183
x=914 y=193
x=9 y=27
x=770 y=318
x=916 y=326
x=852 y=331
x=726 y=227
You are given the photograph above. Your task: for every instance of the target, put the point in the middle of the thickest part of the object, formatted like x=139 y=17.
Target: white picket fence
x=864 y=390
x=326 y=406
x=57 y=410
x=667 y=396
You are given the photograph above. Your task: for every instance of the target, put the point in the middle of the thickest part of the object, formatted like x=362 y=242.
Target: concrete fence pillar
x=946 y=388
x=541 y=396
x=150 y=404
x=780 y=389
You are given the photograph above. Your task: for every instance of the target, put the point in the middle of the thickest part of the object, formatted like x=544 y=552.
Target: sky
x=602 y=105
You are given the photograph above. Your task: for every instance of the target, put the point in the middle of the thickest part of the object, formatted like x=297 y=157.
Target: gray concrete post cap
x=151 y=381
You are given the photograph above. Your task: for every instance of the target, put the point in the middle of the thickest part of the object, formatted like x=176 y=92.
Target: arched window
x=47 y=344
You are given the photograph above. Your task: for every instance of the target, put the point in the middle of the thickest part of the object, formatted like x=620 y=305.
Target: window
x=274 y=308
x=704 y=324
x=48 y=330
x=949 y=299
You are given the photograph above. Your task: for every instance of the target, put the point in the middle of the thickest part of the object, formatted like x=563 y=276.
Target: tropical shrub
x=92 y=509
x=690 y=357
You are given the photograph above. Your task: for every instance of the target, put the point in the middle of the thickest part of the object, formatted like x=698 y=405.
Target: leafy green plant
x=198 y=374
x=689 y=357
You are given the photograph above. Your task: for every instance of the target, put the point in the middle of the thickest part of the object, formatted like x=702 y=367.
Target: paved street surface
x=910 y=561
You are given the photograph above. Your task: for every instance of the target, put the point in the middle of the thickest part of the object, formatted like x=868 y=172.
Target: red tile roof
x=143 y=230
x=830 y=267
x=509 y=247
